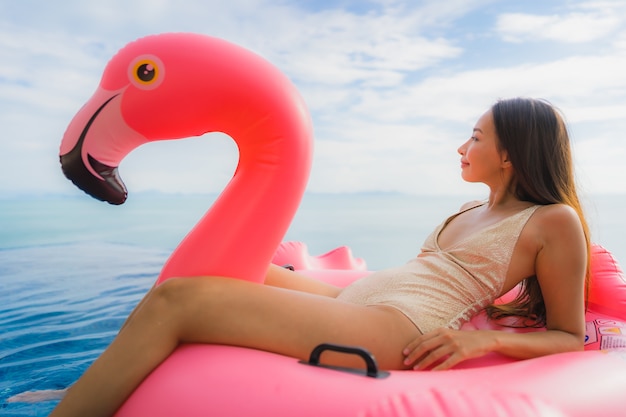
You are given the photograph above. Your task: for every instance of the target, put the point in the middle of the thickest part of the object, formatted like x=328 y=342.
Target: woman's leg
x=232 y=312
x=278 y=276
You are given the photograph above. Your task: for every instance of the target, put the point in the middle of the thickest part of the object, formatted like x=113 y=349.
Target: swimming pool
x=60 y=306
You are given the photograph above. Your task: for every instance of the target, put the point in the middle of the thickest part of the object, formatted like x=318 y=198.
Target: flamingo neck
x=239 y=234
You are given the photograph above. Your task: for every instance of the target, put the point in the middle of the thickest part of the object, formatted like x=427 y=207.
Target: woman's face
x=481 y=161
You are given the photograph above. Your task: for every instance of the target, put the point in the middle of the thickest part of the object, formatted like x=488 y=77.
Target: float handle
x=370 y=361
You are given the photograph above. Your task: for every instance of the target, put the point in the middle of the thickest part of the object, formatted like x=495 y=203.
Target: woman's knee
x=170 y=291
x=186 y=304
x=177 y=295
x=167 y=298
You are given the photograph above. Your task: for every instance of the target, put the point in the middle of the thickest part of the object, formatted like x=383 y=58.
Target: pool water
x=60 y=306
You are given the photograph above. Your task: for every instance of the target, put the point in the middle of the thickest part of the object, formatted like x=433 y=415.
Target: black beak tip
x=110 y=188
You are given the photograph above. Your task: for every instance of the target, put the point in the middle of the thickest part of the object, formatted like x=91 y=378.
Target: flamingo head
x=172 y=86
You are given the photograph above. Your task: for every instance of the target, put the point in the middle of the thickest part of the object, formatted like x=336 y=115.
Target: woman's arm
x=560 y=266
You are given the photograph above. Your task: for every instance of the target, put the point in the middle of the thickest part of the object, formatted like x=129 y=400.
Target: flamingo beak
x=99 y=180
x=109 y=187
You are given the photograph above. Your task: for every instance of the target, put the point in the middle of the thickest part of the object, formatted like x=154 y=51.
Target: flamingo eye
x=146 y=72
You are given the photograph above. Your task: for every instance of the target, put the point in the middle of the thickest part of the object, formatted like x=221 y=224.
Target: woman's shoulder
x=556 y=213
x=556 y=221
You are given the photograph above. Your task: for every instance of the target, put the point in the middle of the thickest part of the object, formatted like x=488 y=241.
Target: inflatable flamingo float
x=179 y=85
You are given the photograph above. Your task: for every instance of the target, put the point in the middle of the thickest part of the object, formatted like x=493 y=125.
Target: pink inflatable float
x=179 y=85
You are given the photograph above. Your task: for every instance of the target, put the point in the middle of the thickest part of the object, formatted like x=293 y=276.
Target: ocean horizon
x=383 y=228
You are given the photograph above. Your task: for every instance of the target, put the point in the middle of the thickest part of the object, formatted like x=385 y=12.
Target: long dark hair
x=534 y=135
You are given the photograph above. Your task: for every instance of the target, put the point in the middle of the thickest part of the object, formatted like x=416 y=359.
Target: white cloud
x=595 y=21
x=336 y=47
x=571 y=83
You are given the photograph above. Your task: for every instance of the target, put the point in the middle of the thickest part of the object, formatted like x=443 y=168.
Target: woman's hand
x=445 y=348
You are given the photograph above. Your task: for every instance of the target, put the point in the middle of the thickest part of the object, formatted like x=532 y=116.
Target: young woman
x=531 y=230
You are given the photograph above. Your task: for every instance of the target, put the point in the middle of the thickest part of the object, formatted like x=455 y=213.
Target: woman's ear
x=506 y=163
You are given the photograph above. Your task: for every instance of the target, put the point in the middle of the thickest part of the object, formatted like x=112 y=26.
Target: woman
x=531 y=229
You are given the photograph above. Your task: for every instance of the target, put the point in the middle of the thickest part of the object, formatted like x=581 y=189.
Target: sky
x=394 y=87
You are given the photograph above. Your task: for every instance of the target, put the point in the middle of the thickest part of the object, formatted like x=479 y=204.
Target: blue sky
x=394 y=87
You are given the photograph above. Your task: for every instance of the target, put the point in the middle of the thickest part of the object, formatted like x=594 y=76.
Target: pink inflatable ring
x=180 y=85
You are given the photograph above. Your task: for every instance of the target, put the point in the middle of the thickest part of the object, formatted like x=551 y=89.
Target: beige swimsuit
x=445 y=288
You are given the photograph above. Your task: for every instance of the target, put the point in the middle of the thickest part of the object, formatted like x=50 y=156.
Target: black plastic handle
x=370 y=362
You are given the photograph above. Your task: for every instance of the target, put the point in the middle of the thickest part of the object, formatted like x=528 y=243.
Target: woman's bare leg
x=278 y=276
x=232 y=312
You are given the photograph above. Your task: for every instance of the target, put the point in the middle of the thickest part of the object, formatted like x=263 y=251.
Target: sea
x=72 y=268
